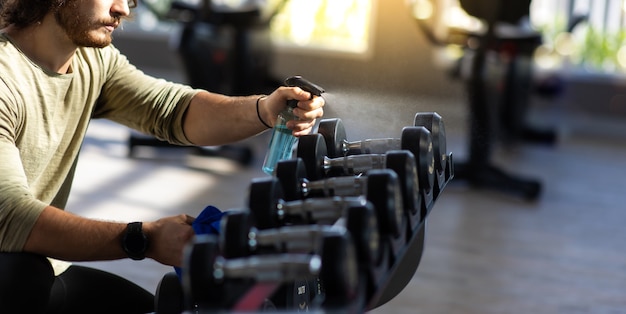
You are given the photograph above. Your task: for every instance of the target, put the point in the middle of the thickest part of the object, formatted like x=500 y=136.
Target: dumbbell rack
x=332 y=251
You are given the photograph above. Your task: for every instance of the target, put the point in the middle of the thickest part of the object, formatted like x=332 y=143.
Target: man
x=58 y=70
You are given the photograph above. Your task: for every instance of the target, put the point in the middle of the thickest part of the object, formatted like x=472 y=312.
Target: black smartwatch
x=134 y=241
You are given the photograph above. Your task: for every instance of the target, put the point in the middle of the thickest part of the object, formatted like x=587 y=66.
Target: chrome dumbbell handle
x=268 y=268
x=336 y=186
x=293 y=239
x=322 y=210
x=355 y=164
x=371 y=146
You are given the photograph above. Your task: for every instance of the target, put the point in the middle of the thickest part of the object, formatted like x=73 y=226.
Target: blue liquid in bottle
x=281 y=143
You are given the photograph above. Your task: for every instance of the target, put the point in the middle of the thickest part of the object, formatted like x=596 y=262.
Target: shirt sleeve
x=144 y=103
x=19 y=209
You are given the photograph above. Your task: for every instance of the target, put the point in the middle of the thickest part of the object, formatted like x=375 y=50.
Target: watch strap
x=135 y=242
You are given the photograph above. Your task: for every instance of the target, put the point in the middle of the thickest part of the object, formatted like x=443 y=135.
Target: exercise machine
x=224 y=49
x=496 y=112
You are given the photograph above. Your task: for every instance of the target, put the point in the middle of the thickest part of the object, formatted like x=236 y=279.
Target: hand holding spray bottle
x=282 y=141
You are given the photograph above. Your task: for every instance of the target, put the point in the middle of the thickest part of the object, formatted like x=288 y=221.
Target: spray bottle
x=282 y=141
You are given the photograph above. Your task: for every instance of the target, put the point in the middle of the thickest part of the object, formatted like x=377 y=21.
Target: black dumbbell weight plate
x=362 y=224
x=291 y=173
x=425 y=158
x=234 y=235
x=334 y=134
x=383 y=190
x=199 y=282
x=169 y=297
x=340 y=273
x=265 y=194
x=312 y=150
x=404 y=164
x=434 y=123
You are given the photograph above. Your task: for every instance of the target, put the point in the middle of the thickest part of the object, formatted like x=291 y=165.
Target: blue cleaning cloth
x=208 y=222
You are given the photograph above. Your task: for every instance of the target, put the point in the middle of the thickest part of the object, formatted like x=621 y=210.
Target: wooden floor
x=486 y=252
x=563 y=254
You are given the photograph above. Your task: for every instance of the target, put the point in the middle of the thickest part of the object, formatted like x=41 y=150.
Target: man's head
x=86 y=22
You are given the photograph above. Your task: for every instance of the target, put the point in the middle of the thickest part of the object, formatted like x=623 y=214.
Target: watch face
x=135 y=242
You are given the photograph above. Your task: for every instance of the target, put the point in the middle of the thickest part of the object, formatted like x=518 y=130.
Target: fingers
x=306 y=100
x=306 y=121
x=308 y=109
x=168 y=237
x=298 y=93
x=188 y=219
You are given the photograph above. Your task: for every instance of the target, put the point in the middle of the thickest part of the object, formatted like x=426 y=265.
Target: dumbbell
x=212 y=282
x=334 y=134
x=313 y=151
x=270 y=210
x=444 y=168
x=239 y=237
x=293 y=178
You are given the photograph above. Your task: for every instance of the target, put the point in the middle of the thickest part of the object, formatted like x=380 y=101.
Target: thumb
x=189 y=219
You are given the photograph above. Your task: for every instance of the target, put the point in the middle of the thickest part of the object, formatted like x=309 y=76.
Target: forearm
x=214 y=119
x=63 y=235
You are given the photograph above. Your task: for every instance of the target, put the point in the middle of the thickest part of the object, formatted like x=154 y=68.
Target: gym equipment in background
x=496 y=111
x=223 y=48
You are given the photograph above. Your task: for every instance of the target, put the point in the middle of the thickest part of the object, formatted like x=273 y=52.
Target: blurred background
x=535 y=90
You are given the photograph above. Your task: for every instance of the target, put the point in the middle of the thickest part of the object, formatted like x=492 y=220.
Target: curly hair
x=22 y=13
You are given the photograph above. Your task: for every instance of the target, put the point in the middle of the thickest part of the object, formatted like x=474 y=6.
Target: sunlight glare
x=422 y=9
x=621 y=57
x=334 y=25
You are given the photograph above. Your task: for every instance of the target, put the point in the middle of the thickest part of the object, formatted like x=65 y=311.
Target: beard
x=82 y=30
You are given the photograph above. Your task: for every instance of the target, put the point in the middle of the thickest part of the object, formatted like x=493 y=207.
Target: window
x=596 y=44
x=340 y=27
x=327 y=26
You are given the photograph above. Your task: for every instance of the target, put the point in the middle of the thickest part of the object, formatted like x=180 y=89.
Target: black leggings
x=28 y=285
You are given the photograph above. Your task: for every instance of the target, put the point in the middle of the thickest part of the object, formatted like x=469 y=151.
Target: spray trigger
x=299 y=81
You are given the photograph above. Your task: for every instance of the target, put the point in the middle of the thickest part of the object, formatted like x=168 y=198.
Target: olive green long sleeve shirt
x=44 y=117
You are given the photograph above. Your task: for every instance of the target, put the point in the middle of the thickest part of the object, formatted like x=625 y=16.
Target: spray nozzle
x=299 y=81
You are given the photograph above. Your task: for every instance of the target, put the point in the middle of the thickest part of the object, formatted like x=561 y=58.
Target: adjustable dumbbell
x=293 y=178
x=239 y=238
x=270 y=210
x=212 y=282
x=444 y=167
x=313 y=151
